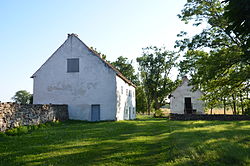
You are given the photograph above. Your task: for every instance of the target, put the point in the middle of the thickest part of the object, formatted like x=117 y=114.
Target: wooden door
x=95 y=112
x=188 y=105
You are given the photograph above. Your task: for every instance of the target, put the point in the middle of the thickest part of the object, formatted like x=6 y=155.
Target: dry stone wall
x=208 y=117
x=14 y=115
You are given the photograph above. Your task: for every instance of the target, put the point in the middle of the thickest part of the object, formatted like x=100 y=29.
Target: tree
x=23 y=97
x=225 y=69
x=217 y=33
x=141 y=102
x=238 y=14
x=155 y=65
x=126 y=68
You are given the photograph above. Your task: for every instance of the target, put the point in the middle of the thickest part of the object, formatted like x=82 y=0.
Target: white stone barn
x=184 y=101
x=93 y=89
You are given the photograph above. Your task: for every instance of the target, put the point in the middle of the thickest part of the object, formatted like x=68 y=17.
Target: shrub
x=158 y=113
x=18 y=131
x=27 y=129
x=247 y=111
x=11 y=132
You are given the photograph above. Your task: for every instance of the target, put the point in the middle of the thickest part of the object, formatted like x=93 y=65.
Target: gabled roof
x=184 y=79
x=118 y=73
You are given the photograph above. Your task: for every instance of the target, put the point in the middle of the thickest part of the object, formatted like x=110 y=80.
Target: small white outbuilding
x=184 y=101
x=91 y=87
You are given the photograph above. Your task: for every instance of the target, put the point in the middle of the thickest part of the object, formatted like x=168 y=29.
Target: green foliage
x=103 y=56
x=155 y=66
x=17 y=131
x=224 y=72
x=27 y=129
x=141 y=103
x=158 y=113
x=126 y=68
x=146 y=141
x=199 y=12
x=122 y=64
x=238 y=14
x=247 y=111
x=23 y=97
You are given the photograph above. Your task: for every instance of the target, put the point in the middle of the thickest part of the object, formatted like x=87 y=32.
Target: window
x=127 y=92
x=122 y=89
x=73 y=65
x=126 y=110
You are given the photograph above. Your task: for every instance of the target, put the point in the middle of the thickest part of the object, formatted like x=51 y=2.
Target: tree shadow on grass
x=130 y=143
x=209 y=148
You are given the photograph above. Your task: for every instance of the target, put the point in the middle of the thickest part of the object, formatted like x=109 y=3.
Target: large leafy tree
x=126 y=68
x=224 y=70
x=238 y=15
x=124 y=65
x=23 y=97
x=155 y=65
x=141 y=102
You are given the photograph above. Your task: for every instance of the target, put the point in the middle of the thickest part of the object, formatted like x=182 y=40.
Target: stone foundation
x=208 y=117
x=15 y=115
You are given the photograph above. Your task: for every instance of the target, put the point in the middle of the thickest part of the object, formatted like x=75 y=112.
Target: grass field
x=146 y=141
x=166 y=111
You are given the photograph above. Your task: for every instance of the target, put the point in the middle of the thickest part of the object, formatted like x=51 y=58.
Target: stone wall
x=208 y=117
x=14 y=115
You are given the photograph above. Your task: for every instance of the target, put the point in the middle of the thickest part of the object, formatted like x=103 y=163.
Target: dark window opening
x=73 y=65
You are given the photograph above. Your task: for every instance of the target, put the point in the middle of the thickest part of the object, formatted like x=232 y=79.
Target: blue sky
x=32 y=30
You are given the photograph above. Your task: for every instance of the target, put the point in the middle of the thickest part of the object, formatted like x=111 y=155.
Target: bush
x=247 y=111
x=158 y=113
x=27 y=129
x=11 y=132
x=17 y=131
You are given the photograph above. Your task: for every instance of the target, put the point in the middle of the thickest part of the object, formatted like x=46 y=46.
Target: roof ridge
x=95 y=53
x=110 y=65
x=33 y=75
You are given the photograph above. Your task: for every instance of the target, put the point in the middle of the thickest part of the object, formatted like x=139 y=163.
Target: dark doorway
x=188 y=109
x=95 y=112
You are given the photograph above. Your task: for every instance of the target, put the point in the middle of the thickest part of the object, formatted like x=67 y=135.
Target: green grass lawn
x=146 y=141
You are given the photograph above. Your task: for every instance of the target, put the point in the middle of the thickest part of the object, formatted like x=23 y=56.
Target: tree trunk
x=157 y=104
x=224 y=105
x=241 y=104
x=211 y=110
x=234 y=104
x=148 y=106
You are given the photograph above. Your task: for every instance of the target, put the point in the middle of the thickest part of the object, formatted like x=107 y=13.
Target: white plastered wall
x=95 y=83
x=125 y=102
x=177 y=99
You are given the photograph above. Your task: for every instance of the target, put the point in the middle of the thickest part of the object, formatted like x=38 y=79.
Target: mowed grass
x=146 y=141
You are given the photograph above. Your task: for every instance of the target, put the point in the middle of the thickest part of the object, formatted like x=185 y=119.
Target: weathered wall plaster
x=95 y=83
x=178 y=98
x=125 y=100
